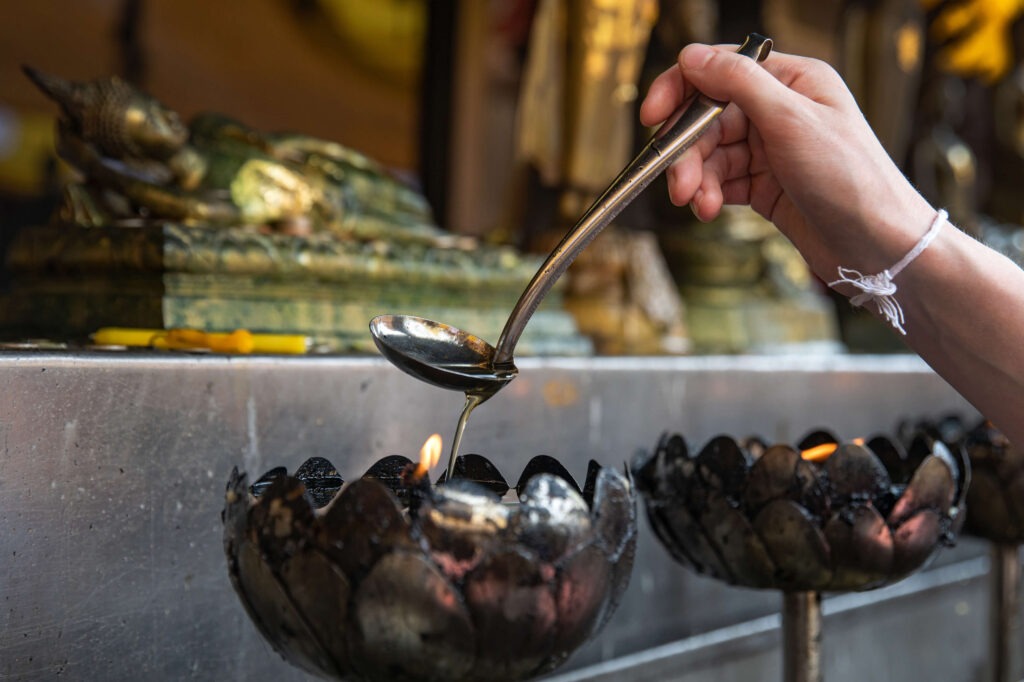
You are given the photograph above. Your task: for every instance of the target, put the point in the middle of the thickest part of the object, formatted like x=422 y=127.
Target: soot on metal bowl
x=822 y=516
x=390 y=578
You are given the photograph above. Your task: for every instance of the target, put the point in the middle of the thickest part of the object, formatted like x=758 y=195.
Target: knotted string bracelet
x=880 y=288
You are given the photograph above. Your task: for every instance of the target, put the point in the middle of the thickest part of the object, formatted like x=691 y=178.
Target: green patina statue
x=141 y=162
x=216 y=226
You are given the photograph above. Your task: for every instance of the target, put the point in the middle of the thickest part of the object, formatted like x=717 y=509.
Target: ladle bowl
x=439 y=354
x=448 y=357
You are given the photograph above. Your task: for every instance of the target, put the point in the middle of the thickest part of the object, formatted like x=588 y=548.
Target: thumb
x=728 y=76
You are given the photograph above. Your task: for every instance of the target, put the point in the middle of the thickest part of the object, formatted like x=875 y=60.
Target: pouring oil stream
x=448 y=357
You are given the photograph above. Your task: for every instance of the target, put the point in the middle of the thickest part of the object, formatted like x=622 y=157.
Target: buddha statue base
x=67 y=282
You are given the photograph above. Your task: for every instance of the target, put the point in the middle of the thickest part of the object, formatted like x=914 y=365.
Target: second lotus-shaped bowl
x=386 y=580
x=766 y=517
x=995 y=499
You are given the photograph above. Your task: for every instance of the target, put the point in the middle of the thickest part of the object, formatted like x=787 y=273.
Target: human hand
x=796 y=148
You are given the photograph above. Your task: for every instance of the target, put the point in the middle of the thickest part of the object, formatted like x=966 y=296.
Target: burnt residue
x=467 y=585
x=762 y=516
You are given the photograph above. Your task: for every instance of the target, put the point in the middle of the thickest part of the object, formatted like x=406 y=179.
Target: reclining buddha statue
x=217 y=226
x=140 y=161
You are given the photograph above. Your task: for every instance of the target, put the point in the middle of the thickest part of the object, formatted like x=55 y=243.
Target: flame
x=819 y=453
x=430 y=453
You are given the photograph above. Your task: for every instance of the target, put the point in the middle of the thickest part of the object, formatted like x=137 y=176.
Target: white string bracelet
x=880 y=288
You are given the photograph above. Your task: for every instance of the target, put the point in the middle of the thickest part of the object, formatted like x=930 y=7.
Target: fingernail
x=695 y=212
x=694 y=202
x=695 y=56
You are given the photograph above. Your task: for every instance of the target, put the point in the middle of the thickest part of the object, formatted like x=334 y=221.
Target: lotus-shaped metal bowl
x=765 y=517
x=382 y=580
x=995 y=499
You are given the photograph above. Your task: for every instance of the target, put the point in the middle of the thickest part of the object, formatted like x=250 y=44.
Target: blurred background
x=510 y=116
x=422 y=156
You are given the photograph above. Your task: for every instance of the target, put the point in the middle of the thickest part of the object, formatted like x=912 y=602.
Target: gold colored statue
x=976 y=36
x=577 y=130
x=580 y=87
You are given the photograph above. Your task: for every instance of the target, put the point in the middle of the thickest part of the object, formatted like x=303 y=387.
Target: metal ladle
x=448 y=357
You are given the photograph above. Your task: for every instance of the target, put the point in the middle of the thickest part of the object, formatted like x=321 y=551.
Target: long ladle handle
x=673 y=138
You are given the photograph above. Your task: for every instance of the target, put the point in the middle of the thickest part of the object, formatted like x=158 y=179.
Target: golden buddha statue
x=576 y=131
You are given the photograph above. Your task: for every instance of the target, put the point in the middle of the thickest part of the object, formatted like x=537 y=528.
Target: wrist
x=877 y=235
x=896 y=231
x=879 y=289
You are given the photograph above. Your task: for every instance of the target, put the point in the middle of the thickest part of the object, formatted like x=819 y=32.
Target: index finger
x=667 y=93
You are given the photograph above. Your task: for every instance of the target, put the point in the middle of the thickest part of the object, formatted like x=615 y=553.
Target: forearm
x=964 y=308
x=797 y=149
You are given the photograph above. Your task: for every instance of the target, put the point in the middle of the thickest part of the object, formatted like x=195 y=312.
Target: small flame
x=430 y=453
x=819 y=453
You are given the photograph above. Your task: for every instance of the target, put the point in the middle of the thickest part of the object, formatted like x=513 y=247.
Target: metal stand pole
x=801 y=637
x=1004 y=614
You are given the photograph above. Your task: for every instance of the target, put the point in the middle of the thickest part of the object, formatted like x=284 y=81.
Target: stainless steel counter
x=113 y=470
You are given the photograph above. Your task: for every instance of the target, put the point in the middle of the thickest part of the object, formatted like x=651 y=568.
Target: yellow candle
x=238 y=341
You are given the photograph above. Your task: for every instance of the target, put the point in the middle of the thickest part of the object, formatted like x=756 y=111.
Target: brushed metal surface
x=113 y=468
x=929 y=627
